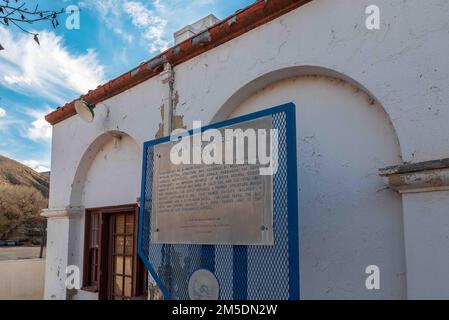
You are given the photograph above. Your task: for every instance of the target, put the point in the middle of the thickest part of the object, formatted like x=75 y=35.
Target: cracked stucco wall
x=344 y=208
x=403 y=70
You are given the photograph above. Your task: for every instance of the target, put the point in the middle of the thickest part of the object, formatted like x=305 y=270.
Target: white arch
x=347 y=217
x=76 y=196
x=272 y=77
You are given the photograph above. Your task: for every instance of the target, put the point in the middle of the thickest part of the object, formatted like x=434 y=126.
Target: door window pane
x=130 y=224
x=118 y=285
x=128 y=266
x=118 y=264
x=128 y=287
x=129 y=245
x=120 y=224
x=119 y=243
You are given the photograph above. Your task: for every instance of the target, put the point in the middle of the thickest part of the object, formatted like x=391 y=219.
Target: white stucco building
x=366 y=99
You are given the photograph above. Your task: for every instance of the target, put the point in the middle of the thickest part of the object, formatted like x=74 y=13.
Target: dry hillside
x=15 y=173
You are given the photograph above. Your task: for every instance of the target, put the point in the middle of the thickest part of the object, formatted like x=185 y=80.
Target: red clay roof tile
x=241 y=22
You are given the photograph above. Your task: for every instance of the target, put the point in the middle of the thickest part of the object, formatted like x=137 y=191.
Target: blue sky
x=114 y=37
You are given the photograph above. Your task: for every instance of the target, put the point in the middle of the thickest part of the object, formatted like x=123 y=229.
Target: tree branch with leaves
x=18 y=14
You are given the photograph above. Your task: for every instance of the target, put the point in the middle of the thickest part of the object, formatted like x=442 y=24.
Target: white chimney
x=195 y=28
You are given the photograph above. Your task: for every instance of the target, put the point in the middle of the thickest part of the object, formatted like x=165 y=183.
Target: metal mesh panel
x=274 y=269
x=172 y=264
x=223 y=271
x=243 y=272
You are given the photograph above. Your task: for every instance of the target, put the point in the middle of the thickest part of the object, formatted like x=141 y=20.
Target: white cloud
x=16 y=79
x=36 y=165
x=6 y=121
x=48 y=70
x=156 y=20
x=110 y=13
x=115 y=13
x=5 y=126
x=152 y=25
x=40 y=130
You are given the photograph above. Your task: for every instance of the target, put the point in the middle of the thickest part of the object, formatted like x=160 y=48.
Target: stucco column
x=168 y=79
x=61 y=224
x=425 y=195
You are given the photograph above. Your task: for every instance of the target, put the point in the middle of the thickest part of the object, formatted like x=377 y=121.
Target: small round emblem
x=203 y=285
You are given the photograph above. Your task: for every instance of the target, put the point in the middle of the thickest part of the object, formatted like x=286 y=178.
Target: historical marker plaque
x=212 y=203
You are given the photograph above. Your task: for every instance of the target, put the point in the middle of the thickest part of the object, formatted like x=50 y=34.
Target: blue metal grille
x=243 y=272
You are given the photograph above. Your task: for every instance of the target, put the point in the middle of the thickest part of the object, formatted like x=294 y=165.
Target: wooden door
x=122 y=264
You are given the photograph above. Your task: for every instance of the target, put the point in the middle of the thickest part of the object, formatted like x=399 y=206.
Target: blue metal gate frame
x=243 y=272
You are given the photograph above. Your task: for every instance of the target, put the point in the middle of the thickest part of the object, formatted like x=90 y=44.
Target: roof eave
x=241 y=22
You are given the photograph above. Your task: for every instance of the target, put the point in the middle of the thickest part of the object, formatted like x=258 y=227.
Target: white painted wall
x=105 y=185
x=56 y=258
x=135 y=112
x=426 y=228
x=404 y=64
x=347 y=220
x=113 y=179
x=76 y=147
x=345 y=210
x=22 y=279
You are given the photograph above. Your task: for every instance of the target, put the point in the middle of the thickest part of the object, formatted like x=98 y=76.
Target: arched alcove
x=108 y=173
x=348 y=219
x=264 y=80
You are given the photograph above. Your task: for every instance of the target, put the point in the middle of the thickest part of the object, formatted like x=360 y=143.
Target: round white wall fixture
x=203 y=285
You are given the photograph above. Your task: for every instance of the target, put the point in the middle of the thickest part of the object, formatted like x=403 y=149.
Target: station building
x=372 y=141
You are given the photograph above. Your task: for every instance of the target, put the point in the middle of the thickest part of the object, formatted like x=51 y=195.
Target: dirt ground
x=18 y=253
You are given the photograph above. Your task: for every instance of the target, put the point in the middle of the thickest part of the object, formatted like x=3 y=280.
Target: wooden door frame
x=105 y=260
